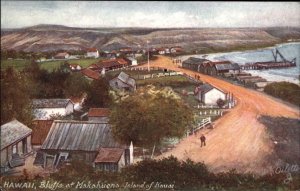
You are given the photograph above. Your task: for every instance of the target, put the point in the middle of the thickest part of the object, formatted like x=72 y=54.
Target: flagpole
x=148 y=56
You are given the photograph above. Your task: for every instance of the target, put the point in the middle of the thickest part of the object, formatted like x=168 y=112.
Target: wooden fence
x=200 y=125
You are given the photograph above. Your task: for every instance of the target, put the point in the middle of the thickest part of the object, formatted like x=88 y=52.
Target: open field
x=49 y=65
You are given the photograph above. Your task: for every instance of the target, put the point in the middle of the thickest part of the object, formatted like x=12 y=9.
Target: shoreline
x=269 y=75
x=237 y=51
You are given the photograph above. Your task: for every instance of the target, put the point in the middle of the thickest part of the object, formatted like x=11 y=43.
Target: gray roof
x=234 y=66
x=193 y=60
x=126 y=79
x=12 y=132
x=206 y=88
x=50 y=103
x=131 y=59
x=79 y=136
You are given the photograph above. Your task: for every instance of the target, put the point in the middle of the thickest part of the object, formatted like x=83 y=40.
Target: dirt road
x=238 y=140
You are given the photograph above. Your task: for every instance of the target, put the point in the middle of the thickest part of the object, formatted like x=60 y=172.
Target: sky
x=154 y=14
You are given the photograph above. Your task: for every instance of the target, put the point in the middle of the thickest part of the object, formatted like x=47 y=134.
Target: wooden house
x=92 y=53
x=161 y=51
x=90 y=74
x=80 y=140
x=44 y=108
x=75 y=67
x=214 y=68
x=110 y=159
x=193 y=63
x=99 y=114
x=226 y=68
x=15 y=144
x=132 y=61
x=209 y=95
x=109 y=64
x=123 y=82
x=176 y=49
x=62 y=55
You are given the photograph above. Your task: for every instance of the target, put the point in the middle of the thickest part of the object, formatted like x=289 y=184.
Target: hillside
x=57 y=37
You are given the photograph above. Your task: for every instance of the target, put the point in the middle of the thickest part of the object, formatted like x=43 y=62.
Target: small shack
x=110 y=159
x=80 y=140
x=15 y=144
x=123 y=82
x=209 y=95
x=99 y=114
x=226 y=68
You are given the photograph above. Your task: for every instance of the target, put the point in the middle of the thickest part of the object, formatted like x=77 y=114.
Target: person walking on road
x=202 y=139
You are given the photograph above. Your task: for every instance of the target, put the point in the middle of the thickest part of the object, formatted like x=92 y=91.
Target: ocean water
x=288 y=50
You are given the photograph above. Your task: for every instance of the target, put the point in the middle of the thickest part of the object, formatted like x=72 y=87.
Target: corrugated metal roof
x=227 y=66
x=207 y=87
x=126 y=79
x=79 y=136
x=50 y=103
x=193 y=60
x=109 y=155
x=13 y=131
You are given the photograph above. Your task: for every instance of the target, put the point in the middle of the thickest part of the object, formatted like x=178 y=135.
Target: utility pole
x=148 y=56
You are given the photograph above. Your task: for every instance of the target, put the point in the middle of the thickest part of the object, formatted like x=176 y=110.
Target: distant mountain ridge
x=59 y=37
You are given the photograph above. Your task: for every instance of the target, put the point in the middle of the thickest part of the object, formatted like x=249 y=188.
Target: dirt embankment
x=239 y=140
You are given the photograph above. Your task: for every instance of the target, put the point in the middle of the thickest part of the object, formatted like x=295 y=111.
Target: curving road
x=238 y=140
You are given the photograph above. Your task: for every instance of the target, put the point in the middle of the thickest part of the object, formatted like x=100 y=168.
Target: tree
x=148 y=116
x=15 y=98
x=75 y=85
x=98 y=93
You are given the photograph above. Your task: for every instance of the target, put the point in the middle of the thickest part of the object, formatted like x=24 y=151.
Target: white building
x=45 y=108
x=92 y=53
x=133 y=61
x=62 y=55
x=75 y=67
x=161 y=51
x=209 y=95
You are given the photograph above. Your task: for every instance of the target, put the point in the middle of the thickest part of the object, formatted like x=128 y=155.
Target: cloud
x=17 y=14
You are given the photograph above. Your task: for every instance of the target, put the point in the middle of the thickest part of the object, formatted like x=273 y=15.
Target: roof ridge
x=76 y=121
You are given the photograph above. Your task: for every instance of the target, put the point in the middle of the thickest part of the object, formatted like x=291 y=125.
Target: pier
x=270 y=64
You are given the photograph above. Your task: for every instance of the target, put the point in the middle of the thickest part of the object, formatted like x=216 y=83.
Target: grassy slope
x=50 y=65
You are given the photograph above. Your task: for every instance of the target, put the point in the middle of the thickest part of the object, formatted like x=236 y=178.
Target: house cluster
x=210 y=67
x=167 y=50
x=61 y=141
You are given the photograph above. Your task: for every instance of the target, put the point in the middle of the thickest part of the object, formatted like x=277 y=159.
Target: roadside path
x=238 y=140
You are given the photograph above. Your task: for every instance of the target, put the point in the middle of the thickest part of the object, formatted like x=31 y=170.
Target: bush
x=284 y=90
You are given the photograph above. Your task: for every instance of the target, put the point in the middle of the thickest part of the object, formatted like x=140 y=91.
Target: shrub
x=284 y=90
